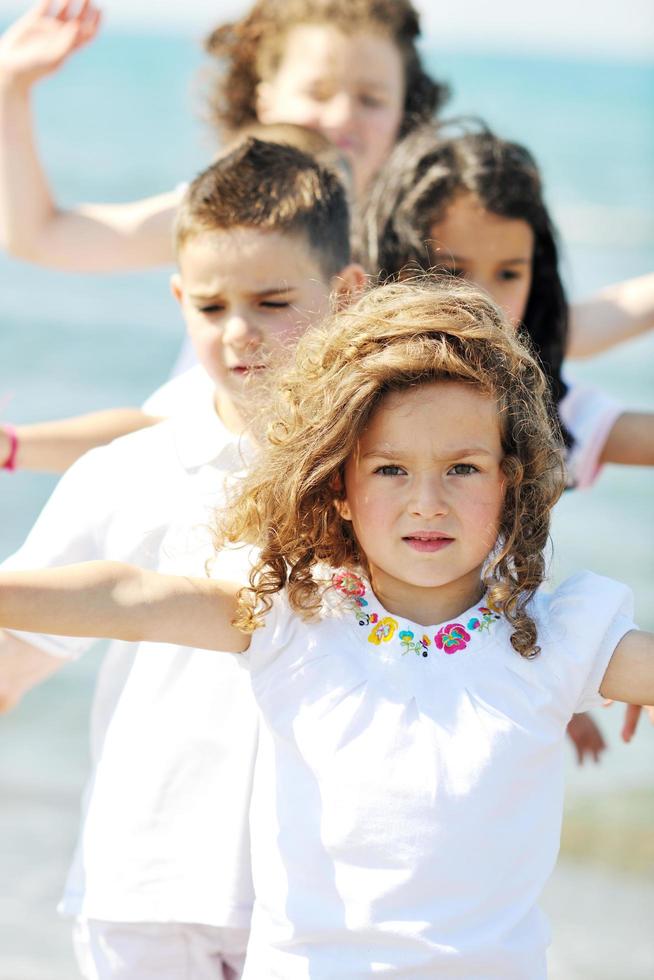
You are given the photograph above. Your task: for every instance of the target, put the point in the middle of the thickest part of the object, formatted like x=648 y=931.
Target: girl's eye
x=270 y=304
x=463 y=469
x=508 y=275
x=371 y=101
x=389 y=469
x=214 y=308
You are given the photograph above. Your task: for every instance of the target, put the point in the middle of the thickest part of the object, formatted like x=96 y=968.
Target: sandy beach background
x=121 y=122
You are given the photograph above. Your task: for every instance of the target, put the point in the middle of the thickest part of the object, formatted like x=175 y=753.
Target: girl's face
x=424 y=492
x=493 y=252
x=350 y=87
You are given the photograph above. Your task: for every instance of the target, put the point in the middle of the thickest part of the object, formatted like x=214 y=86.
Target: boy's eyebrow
x=270 y=291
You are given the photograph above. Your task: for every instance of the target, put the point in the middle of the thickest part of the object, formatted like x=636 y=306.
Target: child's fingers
x=42 y=9
x=64 y=11
x=631 y=718
x=88 y=28
x=86 y=12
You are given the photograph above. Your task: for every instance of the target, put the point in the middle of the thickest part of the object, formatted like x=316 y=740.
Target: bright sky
x=624 y=29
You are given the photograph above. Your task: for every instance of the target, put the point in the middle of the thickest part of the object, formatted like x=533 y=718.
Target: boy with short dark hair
x=160 y=884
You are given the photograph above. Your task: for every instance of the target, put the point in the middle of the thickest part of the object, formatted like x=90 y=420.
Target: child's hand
x=586 y=737
x=40 y=41
x=631 y=719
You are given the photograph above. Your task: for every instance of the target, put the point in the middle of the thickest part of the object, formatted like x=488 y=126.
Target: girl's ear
x=343 y=509
x=337 y=484
x=176 y=286
x=348 y=284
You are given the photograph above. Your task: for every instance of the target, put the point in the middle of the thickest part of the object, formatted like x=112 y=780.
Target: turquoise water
x=122 y=121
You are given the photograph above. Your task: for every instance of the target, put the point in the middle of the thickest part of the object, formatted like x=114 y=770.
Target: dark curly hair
x=396 y=337
x=250 y=50
x=424 y=173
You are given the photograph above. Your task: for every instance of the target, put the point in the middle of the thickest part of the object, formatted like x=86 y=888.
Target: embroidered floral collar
x=386 y=629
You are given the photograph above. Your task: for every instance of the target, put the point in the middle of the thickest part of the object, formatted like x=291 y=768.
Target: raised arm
x=615 y=314
x=119 y=601
x=89 y=237
x=51 y=447
x=630 y=674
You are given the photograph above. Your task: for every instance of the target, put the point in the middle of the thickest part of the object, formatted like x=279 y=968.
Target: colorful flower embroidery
x=383 y=631
x=409 y=645
x=488 y=617
x=452 y=637
x=349 y=584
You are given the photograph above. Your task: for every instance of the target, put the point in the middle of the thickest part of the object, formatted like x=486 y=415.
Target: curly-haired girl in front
x=414 y=682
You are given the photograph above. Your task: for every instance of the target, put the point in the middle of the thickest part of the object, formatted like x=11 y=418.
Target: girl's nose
x=338 y=115
x=240 y=332
x=485 y=283
x=428 y=499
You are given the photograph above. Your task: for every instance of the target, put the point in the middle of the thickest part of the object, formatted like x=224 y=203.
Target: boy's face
x=247 y=296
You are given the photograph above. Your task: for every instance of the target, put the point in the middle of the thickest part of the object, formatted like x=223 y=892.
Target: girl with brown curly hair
x=471 y=205
x=413 y=680
x=347 y=68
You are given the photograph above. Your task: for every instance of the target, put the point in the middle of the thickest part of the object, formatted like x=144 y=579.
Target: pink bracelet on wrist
x=10 y=462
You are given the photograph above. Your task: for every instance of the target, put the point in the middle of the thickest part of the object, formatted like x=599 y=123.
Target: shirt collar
x=378 y=627
x=201 y=439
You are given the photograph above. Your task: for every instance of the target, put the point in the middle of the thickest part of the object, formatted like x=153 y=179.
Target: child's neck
x=427 y=605
x=229 y=413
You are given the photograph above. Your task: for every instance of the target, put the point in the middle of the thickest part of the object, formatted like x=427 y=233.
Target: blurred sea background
x=121 y=121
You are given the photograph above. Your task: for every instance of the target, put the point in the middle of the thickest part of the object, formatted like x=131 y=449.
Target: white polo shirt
x=187 y=392
x=409 y=784
x=164 y=836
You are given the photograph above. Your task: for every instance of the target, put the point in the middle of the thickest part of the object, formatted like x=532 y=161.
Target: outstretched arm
x=119 y=601
x=87 y=238
x=631 y=440
x=630 y=674
x=51 y=447
x=615 y=314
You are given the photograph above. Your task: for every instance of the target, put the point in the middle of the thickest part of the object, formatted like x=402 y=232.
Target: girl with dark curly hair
x=472 y=206
x=347 y=68
x=413 y=680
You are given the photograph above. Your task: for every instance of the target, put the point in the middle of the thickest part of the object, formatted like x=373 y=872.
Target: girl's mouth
x=428 y=541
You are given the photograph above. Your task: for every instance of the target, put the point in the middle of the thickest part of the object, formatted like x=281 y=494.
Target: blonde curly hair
x=395 y=337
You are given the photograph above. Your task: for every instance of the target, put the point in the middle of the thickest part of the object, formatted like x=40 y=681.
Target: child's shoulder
x=583 y=608
x=579 y=624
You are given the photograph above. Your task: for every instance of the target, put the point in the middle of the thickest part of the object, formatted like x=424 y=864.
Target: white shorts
x=158 y=951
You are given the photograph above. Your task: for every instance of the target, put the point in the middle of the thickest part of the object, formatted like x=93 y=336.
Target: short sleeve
x=66 y=532
x=588 y=616
x=270 y=640
x=589 y=415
